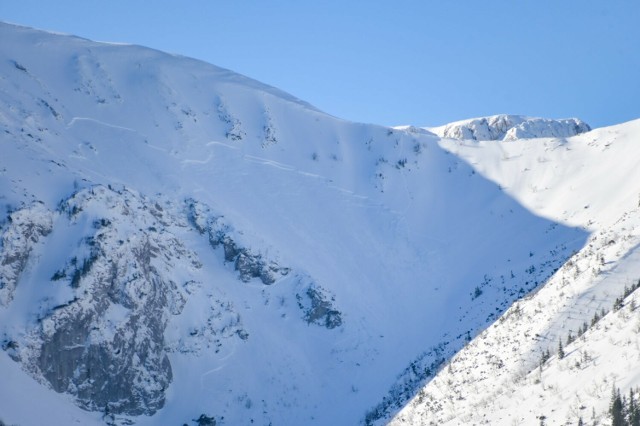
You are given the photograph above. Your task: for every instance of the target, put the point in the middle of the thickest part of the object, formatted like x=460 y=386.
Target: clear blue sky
x=389 y=62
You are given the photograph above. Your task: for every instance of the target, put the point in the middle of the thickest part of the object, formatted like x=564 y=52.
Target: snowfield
x=180 y=244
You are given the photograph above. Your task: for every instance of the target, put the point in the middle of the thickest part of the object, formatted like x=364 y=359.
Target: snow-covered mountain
x=180 y=244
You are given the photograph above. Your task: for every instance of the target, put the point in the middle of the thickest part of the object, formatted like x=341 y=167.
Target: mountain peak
x=511 y=127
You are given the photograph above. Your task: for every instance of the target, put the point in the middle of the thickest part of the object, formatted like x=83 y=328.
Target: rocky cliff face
x=512 y=127
x=102 y=340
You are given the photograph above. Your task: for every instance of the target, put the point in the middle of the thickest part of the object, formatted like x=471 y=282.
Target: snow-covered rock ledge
x=511 y=127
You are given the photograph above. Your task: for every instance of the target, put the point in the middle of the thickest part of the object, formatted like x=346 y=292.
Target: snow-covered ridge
x=52 y=42
x=511 y=127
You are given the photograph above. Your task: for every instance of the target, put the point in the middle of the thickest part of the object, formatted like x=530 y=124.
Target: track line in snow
x=221 y=144
x=288 y=168
x=93 y=120
x=205 y=161
x=268 y=162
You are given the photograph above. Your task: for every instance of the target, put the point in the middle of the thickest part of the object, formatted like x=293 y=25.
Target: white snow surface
x=419 y=242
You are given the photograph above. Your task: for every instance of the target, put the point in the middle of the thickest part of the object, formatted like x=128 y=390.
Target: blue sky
x=392 y=62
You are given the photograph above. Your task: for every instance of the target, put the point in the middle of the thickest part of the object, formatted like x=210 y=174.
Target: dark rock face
x=114 y=376
x=253 y=266
x=248 y=264
x=317 y=309
x=126 y=372
x=205 y=420
x=106 y=346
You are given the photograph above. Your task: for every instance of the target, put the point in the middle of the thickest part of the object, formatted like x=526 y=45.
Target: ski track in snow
x=74 y=120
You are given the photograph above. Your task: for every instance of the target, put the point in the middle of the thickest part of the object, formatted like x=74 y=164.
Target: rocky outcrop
x=22 y=232
x=317 y=306
x=512 y=127
x=247 y=263
x=106 y=344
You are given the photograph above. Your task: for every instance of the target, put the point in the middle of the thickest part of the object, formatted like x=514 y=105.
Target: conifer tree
x=545 y=357
x=616 y=408
x=633 y=411
x=560 y=349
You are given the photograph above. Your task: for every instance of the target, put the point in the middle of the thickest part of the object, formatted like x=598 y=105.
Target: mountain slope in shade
x=180 y=241
x=514 y=372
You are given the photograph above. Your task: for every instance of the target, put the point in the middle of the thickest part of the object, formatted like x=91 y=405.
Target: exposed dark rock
x=205 y=420
x=317 y=309
x=106 y=346
x=231 y=251
x=248 y=264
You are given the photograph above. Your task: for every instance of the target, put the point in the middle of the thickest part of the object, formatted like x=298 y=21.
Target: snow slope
x=179 y=240
x=591 y=181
